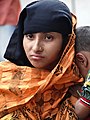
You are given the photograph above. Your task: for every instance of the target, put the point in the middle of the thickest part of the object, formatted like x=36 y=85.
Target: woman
x=41 y=70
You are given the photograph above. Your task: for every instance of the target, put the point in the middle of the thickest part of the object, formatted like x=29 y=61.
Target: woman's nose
x=37 y=46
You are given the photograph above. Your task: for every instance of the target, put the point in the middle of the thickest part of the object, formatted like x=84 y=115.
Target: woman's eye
x=48 y=37
x=30 y=36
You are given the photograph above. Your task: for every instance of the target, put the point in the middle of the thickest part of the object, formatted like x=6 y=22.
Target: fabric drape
x=34 y=94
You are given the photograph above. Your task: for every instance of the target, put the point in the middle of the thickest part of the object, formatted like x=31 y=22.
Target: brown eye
x=30 y=36
x=48 y=37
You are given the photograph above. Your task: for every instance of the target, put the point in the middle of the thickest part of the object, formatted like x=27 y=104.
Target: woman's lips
x=36 y=57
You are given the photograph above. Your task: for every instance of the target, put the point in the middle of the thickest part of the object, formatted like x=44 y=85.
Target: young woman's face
x=43 y=50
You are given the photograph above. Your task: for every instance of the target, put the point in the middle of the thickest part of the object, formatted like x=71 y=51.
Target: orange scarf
x=30 y=93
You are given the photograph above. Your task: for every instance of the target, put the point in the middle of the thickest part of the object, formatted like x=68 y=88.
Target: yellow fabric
x=33 y=94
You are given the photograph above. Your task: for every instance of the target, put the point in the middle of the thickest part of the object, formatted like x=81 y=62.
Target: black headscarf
x=39 y=16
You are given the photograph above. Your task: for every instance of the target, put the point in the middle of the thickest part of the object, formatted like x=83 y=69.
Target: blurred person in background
x=9 y=13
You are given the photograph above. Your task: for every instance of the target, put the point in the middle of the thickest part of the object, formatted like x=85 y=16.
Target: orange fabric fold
x=21 y=85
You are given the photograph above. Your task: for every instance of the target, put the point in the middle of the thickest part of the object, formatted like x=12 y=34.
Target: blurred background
x=80 y=8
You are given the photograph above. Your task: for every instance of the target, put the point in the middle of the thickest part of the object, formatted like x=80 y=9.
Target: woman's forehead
x=42 y=33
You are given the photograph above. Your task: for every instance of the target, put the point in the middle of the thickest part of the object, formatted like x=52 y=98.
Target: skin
x=43 y=50
x=83 y=63
x=81 y=110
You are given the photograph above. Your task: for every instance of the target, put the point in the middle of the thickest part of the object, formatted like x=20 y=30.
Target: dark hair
x=82 y=42
x=65 y=41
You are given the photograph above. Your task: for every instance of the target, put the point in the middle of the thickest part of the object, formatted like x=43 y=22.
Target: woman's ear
x=81 y=59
